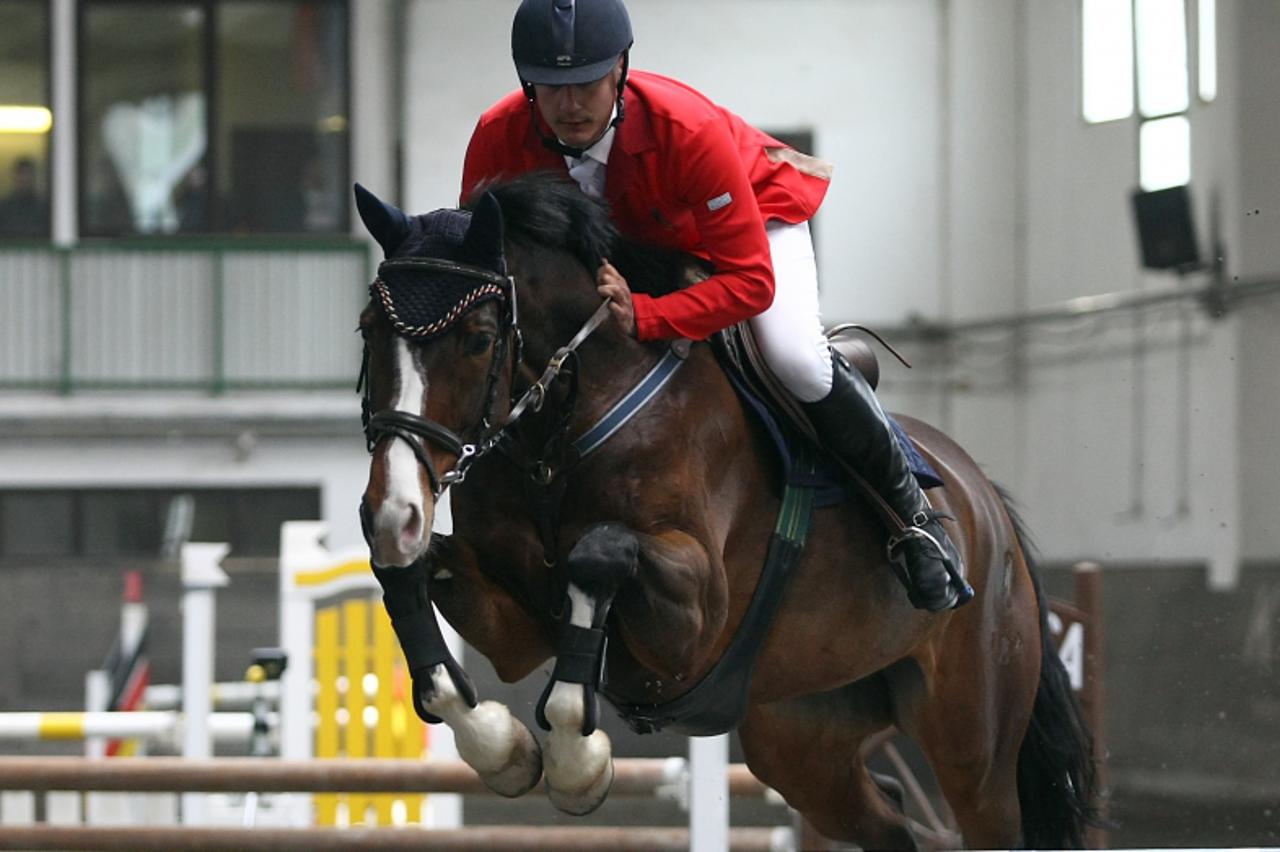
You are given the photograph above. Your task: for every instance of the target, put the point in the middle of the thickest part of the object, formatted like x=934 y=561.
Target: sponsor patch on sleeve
x=720 y=201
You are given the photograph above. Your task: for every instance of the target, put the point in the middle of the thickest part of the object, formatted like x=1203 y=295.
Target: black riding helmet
x=567 y=42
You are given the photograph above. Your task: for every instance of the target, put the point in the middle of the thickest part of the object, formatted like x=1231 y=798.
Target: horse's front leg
x=579 y=762
x=489 y=738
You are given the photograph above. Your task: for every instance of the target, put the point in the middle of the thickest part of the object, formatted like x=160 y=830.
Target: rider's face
x=579 y=115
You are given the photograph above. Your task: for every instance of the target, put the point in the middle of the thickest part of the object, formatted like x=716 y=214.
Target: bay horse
x=634 y=566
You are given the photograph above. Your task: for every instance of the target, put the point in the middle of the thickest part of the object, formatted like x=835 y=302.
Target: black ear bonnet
x=439 y=266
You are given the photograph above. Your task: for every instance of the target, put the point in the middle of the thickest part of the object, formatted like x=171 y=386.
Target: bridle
x=418 y=431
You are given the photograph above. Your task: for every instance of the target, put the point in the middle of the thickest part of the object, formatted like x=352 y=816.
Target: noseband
x=417 y=431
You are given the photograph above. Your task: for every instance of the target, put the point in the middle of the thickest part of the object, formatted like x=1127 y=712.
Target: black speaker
x=1165 y=229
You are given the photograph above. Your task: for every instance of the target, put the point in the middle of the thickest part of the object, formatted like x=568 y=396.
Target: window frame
x=11 y=241
x=218 y=230
x=1193 y=48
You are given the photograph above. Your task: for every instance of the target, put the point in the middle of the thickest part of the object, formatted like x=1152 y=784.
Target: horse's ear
x=484 y=235
x=386 y=223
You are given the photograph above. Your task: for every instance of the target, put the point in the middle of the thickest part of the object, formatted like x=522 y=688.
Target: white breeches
x=790 y=331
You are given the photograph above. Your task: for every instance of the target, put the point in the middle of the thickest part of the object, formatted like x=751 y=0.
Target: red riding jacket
x=683 y=173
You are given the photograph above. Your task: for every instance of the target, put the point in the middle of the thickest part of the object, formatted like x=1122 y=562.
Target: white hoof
x=579 y=772
x=499 y=747
x=524 y=769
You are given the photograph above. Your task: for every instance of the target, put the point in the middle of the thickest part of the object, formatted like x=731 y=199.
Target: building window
x=143 y=127
x=215 y=116
x=25 y=119
x=106 y=523
x=1207 y=37
x=1158 y=59
x=1107 y=59
x=282 y=100
x=1161 y=28
x=1165 y=145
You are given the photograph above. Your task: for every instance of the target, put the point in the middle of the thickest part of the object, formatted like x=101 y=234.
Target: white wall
x=1254 y=215
x=87 y=442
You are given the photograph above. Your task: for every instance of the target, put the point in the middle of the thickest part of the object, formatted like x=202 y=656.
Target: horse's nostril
x=412 y=530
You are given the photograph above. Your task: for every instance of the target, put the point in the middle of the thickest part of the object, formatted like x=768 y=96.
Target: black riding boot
x=853 y=426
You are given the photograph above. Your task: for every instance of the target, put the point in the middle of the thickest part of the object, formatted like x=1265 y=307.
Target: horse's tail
x=1056 y=773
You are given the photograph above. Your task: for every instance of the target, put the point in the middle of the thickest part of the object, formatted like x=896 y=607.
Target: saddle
x=740 y=355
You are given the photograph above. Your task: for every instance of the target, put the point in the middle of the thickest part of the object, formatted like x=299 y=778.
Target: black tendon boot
x=853 y=426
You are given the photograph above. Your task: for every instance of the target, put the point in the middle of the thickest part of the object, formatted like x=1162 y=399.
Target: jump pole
x=165 y=725
x=486 y=838
x=202 y=576
x=634 y=777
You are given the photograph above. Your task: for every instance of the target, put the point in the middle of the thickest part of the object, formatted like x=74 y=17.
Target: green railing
x=203 y=316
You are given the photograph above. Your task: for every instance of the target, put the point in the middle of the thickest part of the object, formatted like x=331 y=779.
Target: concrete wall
x=1256 y=218
x=194 y=446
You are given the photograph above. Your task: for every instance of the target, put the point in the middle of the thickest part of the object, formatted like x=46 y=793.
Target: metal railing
x=202 y=316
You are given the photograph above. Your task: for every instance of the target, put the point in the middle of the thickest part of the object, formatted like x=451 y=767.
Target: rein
x=531 y=400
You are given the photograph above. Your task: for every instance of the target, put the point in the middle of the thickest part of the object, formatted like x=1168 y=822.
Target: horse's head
x=435 y=331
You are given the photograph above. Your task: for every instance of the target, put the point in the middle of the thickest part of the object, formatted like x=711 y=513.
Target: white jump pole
x=165 y=726
x=709 y=793
x=97 y=695
x=202 y=576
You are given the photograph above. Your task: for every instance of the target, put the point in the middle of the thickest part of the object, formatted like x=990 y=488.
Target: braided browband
x=437 y=264
x=407 y=330
x=491 y=284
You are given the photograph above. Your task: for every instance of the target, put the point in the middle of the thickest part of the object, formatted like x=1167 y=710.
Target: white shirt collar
x=599 y=151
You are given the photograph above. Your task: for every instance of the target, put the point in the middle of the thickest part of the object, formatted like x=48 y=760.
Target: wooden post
x=1088 y=595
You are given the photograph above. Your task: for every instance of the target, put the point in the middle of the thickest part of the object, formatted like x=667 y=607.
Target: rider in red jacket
x=672 y=201
x=679 y=171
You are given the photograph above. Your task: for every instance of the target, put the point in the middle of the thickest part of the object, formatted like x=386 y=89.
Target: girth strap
x=718 y=702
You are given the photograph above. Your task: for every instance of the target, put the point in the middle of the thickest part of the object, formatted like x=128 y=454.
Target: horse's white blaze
x=404 y=499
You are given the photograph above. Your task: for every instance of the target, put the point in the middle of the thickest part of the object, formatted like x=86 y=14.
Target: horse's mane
x=542 y=209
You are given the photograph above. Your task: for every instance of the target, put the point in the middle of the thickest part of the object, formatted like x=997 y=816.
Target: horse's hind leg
x=975 y=763
x=808 y=749
x=971 y=721
x=578 y=759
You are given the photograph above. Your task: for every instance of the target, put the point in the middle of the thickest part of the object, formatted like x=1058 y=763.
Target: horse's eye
x=479 y=343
